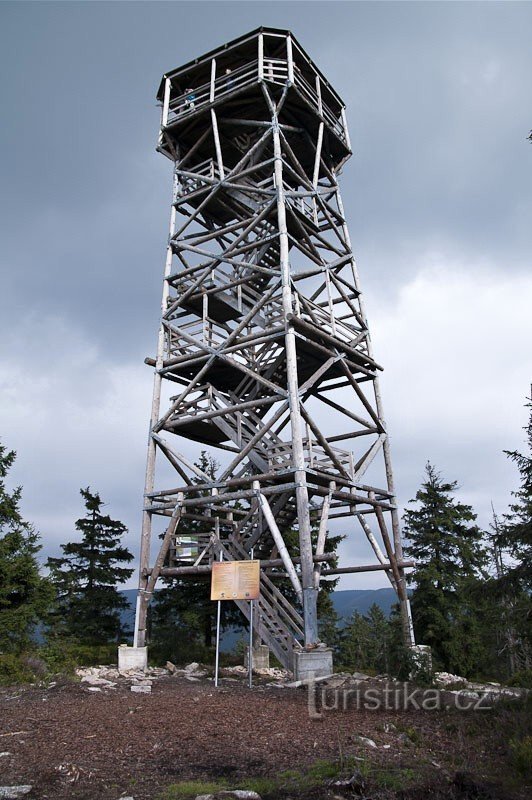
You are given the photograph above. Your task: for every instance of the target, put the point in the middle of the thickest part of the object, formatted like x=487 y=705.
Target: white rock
x=141 y=689
x=94 y=689
x=94 y=680
x=237 y=670
x=111 y=673
x=12 y=792
x=4 y=754
x=193 y=667
x=366 y=741
x=335 y=681
x=447 y=678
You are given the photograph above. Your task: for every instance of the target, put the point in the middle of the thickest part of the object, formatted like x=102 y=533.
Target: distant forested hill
x=361 y=600
x=345 y=603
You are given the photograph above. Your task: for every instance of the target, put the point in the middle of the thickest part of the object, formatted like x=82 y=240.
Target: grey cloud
x=437 y=97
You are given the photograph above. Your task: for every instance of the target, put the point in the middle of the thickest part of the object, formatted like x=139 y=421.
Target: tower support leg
x=310 y=593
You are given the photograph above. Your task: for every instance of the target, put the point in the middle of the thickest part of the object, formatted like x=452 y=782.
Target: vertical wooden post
x=217 y=144
x=343 y=117
x=310 y=593
x=290 y=59
x=213 y=80
x=260 y=57
x=322 y=532
x=145 y=541
x=165 y=108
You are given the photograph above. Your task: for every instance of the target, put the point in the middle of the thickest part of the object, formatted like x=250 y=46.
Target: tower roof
x=239 y=44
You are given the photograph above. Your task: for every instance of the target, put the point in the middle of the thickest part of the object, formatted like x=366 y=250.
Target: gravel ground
x=67 y=741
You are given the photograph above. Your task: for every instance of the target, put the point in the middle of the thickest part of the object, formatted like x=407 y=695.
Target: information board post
x=235 y=580
x=217 y=657
x=250 y=648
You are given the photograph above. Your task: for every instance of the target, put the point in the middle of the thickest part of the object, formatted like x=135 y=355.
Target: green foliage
x=369 y=642
x=290 y=781
x=14 y=669
x=521 y=755
x=57 y=657
x=511 y=587
x=189 y=789
x=450 y=559
x=391 y=778
x=521 y=679
x=515 y=535
x=65 y=656
x=505 y=600
x=88 y=603
x=24 y=594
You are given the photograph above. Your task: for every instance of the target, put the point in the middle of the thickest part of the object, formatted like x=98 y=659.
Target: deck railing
x=316 y=458
x=194 y=97
x=271 y=70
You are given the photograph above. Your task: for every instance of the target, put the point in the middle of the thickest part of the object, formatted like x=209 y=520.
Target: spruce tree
x=88 y=601
x=353 y=643
x=24 y=594
x=510 y=590
x=365 y=642
x=447 y=547
x=515 y=534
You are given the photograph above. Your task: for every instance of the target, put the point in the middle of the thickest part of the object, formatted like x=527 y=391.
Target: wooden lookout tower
x=264 y=355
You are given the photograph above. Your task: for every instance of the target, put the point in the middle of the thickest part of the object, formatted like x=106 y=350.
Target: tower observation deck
x=264 y=357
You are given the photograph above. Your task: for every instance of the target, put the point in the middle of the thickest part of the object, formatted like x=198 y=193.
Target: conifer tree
x=24 y=594
x=88 y=601
x=511 y=589
x=515 y=534
x=447 y=546
x=365 y=642
x=353 y=643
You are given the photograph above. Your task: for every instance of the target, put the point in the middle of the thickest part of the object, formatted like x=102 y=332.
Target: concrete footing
x=310 y=664
x=132 y=658
x=261 y=657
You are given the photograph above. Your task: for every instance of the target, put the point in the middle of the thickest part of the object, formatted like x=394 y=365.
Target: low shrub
x=14 y=668
x=522 y=679
x=521 y=755
x=56 y=657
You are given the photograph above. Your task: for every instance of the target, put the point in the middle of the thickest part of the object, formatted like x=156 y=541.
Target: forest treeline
x=470 y=590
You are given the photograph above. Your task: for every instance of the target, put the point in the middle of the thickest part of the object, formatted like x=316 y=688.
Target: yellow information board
x=235 y=580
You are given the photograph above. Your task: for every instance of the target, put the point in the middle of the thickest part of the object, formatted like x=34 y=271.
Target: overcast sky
x=437 y=195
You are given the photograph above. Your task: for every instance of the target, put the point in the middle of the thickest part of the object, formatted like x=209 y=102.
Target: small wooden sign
x=235 y=580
